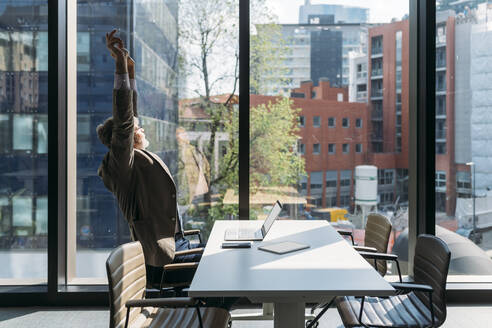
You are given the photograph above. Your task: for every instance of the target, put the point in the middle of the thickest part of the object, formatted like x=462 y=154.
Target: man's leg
x=184 y=275
x=183 y=243
x=187 y=275
x=154 y=275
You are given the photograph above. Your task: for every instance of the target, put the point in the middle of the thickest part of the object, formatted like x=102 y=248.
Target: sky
x=380 y=11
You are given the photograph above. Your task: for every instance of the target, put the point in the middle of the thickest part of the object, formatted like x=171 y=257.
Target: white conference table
x=330 y=267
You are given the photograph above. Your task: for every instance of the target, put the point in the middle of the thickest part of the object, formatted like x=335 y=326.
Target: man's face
x=139 y=140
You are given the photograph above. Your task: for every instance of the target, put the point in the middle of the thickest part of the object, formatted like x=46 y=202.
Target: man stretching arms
x=139 y=179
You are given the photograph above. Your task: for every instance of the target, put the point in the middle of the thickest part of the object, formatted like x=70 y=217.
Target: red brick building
x=336 y=136
x=388 y=71
x=333 y=139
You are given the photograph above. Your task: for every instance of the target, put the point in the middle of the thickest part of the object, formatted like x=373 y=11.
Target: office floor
x=458 y=316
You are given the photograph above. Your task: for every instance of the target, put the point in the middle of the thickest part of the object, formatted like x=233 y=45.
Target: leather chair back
x=125 y=267
x=378 y=230
x=431 y=264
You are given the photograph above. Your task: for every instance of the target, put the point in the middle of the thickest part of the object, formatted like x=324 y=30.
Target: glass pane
x=22 y=132
x=4 y=133
x=463 y=133
x=189 y=112
x=342 y=67
x=23 y=151
x=42 y=130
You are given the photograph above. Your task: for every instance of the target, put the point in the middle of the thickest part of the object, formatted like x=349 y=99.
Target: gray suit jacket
x=142 y=185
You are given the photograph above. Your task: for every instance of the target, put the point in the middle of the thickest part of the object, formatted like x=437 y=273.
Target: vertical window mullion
x=56 y=144
x=244 y=30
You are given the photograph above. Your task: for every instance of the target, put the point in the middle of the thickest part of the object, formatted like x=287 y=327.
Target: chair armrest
x=191 y=232
x=180 y=266
x=379 y=256
x=365 y=249
x=405 y=287
x=383 y=256
x=190 y=251
x=347 y=233
x=171 y=302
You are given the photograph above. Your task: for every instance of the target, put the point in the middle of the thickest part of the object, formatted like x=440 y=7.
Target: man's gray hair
x=105 y=132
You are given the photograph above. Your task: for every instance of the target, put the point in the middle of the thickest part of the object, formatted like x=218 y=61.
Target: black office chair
x=376 y=239
x=431 y=264
x=421 y=303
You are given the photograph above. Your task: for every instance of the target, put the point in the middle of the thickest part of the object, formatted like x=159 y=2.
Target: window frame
x=334 y=149
x=334 y=119
x=421 y=191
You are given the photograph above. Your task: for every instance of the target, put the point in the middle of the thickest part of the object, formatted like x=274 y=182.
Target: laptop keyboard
x=240 y=234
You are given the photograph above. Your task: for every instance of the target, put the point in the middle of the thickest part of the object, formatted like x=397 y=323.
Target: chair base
x=265 y=314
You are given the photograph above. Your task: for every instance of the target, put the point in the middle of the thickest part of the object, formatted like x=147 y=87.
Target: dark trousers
x=154 y=274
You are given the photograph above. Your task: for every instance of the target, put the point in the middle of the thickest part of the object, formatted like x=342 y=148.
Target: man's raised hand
x=118 y=52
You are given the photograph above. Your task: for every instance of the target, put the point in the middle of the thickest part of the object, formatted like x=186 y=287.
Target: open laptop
x=242 y=233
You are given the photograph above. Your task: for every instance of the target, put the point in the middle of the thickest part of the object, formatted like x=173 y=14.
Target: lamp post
x=474 y=220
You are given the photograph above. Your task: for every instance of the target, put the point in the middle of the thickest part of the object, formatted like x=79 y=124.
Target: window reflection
x=22 y=132
x=42 y=137
x=22 y=220
x=23 y=140
x=4 y=133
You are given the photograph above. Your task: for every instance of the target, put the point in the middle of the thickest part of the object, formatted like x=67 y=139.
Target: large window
x=463 y=135
x=23 y=141
x=300 y=82
x=187 y=107
x=313 y=79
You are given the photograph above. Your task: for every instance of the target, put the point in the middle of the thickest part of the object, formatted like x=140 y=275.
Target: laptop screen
x=271 y=218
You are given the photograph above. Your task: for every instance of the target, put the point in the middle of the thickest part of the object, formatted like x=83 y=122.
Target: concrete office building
x=342 y=14
x=306 y=56
x=357 y=77
x=473 y=99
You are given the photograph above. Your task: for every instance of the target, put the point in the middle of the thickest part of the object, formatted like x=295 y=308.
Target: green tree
x=274 y=160
x=208 y=39
x=268 y=50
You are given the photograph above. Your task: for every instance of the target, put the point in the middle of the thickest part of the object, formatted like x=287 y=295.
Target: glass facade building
x=23 y=135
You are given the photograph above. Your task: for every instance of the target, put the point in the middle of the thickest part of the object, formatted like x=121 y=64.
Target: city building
x=357 y=77
x=462 y=6
x=472 y=99
x=318 y=50
x=100 y=224
x=24 y=109
x=23 y=129
x=342 y=14
x=332 y=139
x=388 y=103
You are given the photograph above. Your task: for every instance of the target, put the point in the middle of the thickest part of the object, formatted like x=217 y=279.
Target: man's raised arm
x=123 y=118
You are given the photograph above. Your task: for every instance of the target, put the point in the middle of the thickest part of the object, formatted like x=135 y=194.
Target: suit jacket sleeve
x=121 y=151
x=135 y=97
